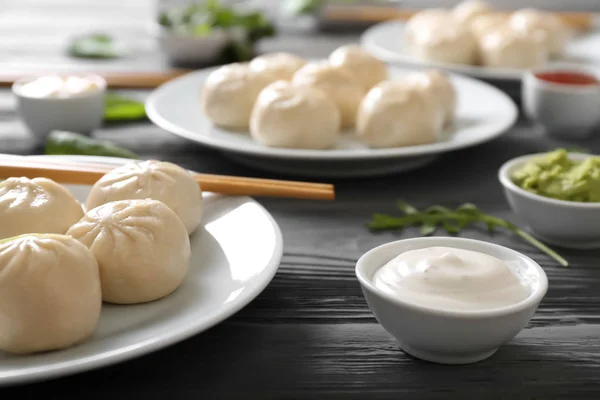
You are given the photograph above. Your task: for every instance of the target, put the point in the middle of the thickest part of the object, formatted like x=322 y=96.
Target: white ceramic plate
x=385 y=41
x=483 y=114
x=234 y=257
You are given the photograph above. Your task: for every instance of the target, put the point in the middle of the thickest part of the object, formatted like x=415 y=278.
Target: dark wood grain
x=310 y=335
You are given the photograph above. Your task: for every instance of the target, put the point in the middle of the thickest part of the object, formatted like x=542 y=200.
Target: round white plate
x=385 y=41
x=234 y=256
x=483 y=113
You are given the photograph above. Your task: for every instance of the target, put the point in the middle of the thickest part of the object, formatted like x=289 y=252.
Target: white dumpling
x=396 y=114
x=36 y=205
x=506 y=48
x=367 y=70
x=158 y=180
x=280 y=65
x=543 y=26
x=466 y=11
x=441 y=88
x=337 y=83
x=229 y=93
x=424 y=19
x=50 y=295
x=486 y=23
x=444 y=42
x=303 y=117
x=142 y=248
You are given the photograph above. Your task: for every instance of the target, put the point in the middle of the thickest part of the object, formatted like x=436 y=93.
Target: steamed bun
x=543 y=26
x=158 y=180
x=292 y=116
x=486 y=23
x=142 y=249
x=229 y=94
x=50 y=294
x=337 y=83
x=438 y=84
x=424 y=19
x=466 y=11
x=507 y=48
x=37 y=205
x=444 y=42
x=281 y=66
x=367 y=70
x=396 y=114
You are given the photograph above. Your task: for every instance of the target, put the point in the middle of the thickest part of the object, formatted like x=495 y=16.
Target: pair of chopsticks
x=88 y=174
x=580 y=20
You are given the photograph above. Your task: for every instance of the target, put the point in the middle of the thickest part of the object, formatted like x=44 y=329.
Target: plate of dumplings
x=350 y=115
x=474 y=38
x=95 y=275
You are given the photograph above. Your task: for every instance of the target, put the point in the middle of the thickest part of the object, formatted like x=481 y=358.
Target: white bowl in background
x=563 y=223
x=446 y=336
x=80 y=113
x=188 y=49
x=564 y=110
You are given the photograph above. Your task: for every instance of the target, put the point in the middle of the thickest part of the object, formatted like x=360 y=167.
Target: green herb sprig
x=453 y=221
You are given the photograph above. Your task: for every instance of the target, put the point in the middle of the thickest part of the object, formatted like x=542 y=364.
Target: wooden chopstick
x=82 y=174
x=579 y=20
x=114 y=79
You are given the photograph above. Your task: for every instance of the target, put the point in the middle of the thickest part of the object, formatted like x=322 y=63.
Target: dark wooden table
x=310 y=335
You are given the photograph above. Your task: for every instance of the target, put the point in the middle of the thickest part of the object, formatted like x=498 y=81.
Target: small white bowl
x=563 y=223
x=564 y=110
x=80 y=113
x=183 y=49
x=443 y=336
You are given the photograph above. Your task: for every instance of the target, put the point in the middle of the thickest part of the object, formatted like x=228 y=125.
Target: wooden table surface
x=310 y=335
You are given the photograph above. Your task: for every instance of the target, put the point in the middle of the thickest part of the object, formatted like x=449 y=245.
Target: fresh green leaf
x=406 y=208
x=454 y=221
x=451 y=227
x=95 y=45
x=120 y=108
x=71 y=143
x=437 y=210
x=427 y=229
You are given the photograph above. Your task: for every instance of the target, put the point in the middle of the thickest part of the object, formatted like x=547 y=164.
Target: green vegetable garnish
x=95 y=45
x=70 y=143
x=453 y=221
x=557 y=176
x=200 y=19
x=120 y=108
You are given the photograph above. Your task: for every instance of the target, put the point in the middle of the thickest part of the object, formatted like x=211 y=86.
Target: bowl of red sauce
x=563 y=99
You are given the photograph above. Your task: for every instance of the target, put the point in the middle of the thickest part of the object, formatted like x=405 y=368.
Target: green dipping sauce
x=557 y=176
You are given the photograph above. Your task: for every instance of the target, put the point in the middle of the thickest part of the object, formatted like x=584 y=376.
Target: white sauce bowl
x=568 y=111
x=444 y=336
x=80 y=112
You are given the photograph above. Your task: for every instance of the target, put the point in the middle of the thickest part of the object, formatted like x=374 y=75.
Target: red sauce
x=568 y=78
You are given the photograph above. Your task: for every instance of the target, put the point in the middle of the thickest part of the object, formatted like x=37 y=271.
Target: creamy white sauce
x=451 y=279
x=58 y=86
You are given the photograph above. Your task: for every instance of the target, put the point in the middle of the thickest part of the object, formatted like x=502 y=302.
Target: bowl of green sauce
x=557 y=195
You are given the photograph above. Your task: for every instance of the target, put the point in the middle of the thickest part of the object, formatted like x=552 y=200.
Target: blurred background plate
x=483 y=113
x=385 y=41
